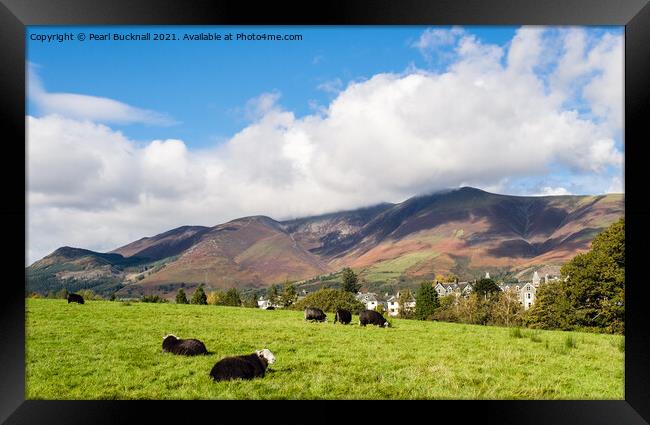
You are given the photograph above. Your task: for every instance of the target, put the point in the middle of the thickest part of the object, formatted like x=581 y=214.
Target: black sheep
x=242 y=367
x=186 y=347
x=75 y=298
x=312 y=313
x=371 y=317
x=343 y=316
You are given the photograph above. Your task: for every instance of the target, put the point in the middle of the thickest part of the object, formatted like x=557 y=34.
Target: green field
x=111 y=350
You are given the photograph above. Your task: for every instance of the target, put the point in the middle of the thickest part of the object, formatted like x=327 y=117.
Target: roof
x=369 y=297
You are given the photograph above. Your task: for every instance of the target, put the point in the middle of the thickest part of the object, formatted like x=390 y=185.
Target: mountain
x=465 y=231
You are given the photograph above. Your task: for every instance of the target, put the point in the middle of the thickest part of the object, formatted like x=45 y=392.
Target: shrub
x=153 y=299
x=88 y=294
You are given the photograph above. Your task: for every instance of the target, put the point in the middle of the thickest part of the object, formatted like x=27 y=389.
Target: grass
x=112 y=350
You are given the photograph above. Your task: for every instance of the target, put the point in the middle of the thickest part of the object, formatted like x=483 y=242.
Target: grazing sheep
x=343 y=316
x=186 y=347
x=371 y=317
x=317 y=314
x=242 y=367
x=75 y=298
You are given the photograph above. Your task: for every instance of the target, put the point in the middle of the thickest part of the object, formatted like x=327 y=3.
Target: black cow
x=75 y=298
x=317 y=314
x=185 y=347
x=242 y=367
x=343 y=316
x=370 y=317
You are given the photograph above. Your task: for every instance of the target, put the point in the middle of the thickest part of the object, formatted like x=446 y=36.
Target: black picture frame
x=633 y=14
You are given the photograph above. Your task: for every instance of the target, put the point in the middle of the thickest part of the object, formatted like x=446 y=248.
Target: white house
x=527 y=291
x=370 y=300
x=394 y=305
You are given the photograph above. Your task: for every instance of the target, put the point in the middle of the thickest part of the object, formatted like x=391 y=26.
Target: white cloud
x=552 y=191
x=92 y=108
x=433 y=38
x=616 y=185
x=592 y=70
x=331 y=86
x=483 y=123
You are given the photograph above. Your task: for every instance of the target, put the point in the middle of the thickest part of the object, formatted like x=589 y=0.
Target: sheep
x=343 y=316
x=242 y=367
x=75 y=298
x=186 y=347
x=317 y=314
x=371 y=317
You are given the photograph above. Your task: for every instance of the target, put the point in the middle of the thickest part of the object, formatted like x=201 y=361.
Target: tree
x=552 y=309
x=232 y=298
x=215 y=297
x=506 y=309
x=273 y=294
x=289 y=295
x=446 y=278
x=426 y=301
x=448 y=310
x=485 y=287
x=405 y=298
x=199 y=296
x=249 y=301
x=474 y=309
x=591 y=292
x=350 y=280
x=329 y=299
x=180 y=297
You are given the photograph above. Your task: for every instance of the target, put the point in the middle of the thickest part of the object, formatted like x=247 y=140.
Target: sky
x=127 y=139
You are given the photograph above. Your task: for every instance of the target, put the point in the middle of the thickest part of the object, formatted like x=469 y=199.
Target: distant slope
x=464 y=231
x=247 y=252
x=76 y=268
x=168 y=244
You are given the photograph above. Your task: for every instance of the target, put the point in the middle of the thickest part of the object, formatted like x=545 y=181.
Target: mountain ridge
x=458 y=231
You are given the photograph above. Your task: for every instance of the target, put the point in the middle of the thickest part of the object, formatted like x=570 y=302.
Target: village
x=525 y=292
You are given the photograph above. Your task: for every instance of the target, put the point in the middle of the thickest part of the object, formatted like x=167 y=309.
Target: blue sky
x=132 y=138
x=204 y=85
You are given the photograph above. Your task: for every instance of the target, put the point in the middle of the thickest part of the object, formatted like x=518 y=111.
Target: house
x=455 y=288
x=370 y=300
x=263 y=303
x=394 y=305
x=527 y=291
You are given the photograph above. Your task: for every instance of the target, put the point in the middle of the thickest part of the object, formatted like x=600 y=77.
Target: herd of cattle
x=253 y=365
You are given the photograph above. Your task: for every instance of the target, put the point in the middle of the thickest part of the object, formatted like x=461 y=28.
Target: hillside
x=464 y=231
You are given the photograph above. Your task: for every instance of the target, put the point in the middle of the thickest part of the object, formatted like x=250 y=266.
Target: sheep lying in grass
x=186 y=347
x=242 y=367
